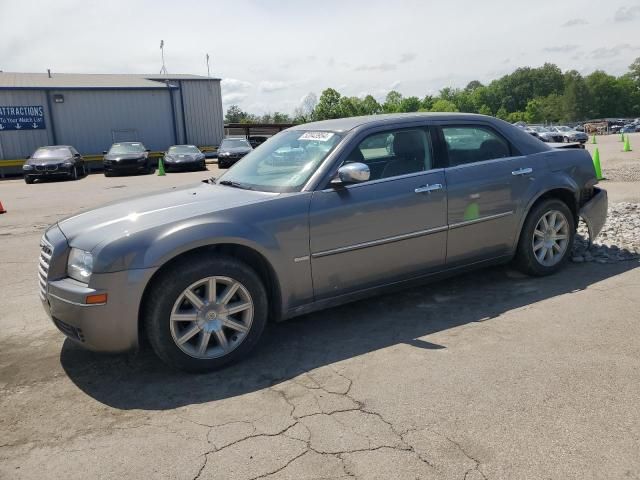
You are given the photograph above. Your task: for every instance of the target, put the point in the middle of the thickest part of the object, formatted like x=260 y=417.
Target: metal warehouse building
x=91 y=112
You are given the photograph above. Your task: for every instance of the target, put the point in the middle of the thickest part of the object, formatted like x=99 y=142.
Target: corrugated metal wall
x=91 y=120
x=16 y=144
x=202 y=111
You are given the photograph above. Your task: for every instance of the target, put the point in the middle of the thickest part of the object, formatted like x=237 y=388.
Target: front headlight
x=26 y=166
x=80 y=265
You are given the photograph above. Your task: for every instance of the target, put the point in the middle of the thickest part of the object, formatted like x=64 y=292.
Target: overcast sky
x=271 y=53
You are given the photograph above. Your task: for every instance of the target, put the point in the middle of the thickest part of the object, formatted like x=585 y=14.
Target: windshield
x=123 y=148
x=283 y=163
x=234 y=143
x=184 y=149
x=538 y=129
x=563 y=129
x=52 y=152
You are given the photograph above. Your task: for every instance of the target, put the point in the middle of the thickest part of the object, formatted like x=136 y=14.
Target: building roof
x=11 y=80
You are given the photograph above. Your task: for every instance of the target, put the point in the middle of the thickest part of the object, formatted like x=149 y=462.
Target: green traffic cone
x=596 y=164
x=627 y=145
x=593 y=140
x=161 y=172
x=622 y=137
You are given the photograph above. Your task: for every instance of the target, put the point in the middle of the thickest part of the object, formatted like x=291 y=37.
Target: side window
x=393 y=153
x=468 y=144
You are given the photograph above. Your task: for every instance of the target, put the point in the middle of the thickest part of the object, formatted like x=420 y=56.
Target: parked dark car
x=184 y=157
x=630 y=128
x=126 y=157
x=257 y=140
x=198 y=270
x=231 y=150
x=57 y=161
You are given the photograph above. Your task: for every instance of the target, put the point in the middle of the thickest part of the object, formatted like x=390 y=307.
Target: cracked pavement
x=491 y=375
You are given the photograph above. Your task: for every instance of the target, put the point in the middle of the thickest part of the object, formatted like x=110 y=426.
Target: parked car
x=198 y=270
x=570 y=135
x=231 y=150
x=56 y=161
x=547 y=135
x=257 y=140
x=630 y=128
x=126 y=157
x=183 y=157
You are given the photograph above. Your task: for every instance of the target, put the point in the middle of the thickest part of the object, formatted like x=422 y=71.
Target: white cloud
x=574 y=22
x=626 y=14
x=233 y=98
x=273 y=86
x=230 y=85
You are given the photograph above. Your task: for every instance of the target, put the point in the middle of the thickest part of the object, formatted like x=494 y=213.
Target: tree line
x=534 y=95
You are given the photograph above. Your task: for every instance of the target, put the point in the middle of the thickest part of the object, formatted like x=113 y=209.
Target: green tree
x=485 y=110
x=392 y=102
x=603 y=90
x=576 y=98
x=442 y=105
x=328 y=106
x=234 y=114
x=370 y=106
x=472 y=85
x=410 y=104
x=426 y=103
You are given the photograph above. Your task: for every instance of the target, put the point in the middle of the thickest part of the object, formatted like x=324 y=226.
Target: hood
x=124 y=156
x=183 y=156
x=123 y=218
x=234 y=150
x=48 y=161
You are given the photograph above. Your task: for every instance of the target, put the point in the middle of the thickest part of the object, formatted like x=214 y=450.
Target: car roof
x=349 y=123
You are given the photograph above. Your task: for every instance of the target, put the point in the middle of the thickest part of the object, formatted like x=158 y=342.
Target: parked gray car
x=199 y=270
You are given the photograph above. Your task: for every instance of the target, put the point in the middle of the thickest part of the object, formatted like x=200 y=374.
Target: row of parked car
x=64 y=161
x=557 y=134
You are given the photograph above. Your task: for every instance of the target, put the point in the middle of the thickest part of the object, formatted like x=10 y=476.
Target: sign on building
x=21 y=117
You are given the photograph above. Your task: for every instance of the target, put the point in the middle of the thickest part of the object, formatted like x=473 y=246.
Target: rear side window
x=469 y=144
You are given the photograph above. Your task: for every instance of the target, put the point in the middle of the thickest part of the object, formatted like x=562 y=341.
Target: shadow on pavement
x=293 y=347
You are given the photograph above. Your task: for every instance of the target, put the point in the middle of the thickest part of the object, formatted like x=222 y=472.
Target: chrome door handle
x=429 y=188
x=522 y=171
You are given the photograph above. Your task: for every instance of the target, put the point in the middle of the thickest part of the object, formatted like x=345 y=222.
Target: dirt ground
x=492 y=375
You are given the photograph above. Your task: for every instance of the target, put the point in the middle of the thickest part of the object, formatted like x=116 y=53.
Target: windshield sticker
x=317 y=136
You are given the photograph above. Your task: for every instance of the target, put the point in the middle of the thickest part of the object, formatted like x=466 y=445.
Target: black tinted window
x=468 y=144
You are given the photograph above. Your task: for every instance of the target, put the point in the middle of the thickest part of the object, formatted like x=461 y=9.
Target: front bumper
x=107 y=327
x=594 y=213
x=125 y=166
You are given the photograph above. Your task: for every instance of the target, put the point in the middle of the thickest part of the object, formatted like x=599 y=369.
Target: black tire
x=203 y=167
x=107 y=173
x=168 y=287
x=84 y=170
x=525 y=260
x=28 y=180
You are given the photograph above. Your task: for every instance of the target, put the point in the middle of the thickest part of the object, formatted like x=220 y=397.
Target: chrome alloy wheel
x=551 y=238
x=211 y=317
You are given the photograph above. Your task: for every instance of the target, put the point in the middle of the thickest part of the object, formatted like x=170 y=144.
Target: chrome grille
x=46 y=250
x=48 y=168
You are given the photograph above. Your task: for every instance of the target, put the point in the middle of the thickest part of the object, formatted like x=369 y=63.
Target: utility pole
x=208 y=73
x=163 y=70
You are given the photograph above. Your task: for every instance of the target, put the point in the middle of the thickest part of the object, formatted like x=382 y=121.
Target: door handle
x=429 y=188
x=522 y=171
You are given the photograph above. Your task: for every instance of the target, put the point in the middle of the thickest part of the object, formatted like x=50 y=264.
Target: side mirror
x=104 y=152
x=351 y=173
x=27 y=157
x=147 y=150
x=77 y=155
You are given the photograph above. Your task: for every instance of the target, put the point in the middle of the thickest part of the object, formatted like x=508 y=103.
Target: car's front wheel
x=205 y=313
x=546 y=238
x=28 y=179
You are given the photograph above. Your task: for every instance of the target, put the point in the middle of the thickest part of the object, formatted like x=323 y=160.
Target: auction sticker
x=317 y=136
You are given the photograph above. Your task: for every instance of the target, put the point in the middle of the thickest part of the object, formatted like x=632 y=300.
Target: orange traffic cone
x=2 y=210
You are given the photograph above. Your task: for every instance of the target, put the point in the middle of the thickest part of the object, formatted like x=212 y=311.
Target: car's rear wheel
x=546 y=238
x=205 y=313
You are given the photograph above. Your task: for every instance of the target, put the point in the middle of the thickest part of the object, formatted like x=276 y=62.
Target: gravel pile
x=622 y=174
x=618 y=241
